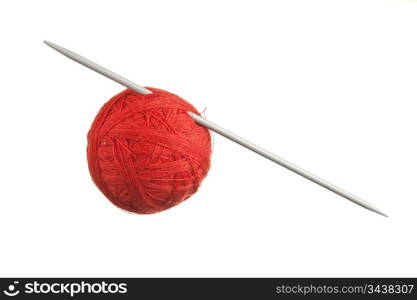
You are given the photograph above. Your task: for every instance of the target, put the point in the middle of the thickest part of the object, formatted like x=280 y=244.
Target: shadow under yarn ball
x=145 y=153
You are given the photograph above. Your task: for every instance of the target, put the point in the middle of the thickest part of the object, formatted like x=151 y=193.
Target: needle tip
x=379 y=212
x=385 y=215
x=50 y=44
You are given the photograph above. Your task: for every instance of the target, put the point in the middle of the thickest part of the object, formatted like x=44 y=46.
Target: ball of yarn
x=145 y=153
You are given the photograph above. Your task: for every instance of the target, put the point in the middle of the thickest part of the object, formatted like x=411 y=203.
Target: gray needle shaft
x=286 y=164
x=231 y=136
x=99 y=69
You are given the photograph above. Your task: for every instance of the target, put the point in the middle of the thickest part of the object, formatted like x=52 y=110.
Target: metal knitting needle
x=227 y=134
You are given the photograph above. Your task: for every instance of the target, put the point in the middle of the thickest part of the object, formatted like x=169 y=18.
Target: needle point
x=379 y=212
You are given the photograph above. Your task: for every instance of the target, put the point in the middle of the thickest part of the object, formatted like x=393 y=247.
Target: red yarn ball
x=145 y=153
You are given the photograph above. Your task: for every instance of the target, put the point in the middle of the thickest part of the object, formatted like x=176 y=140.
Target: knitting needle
x=227 y=134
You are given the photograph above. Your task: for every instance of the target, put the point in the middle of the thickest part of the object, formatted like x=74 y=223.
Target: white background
x=328 y=85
